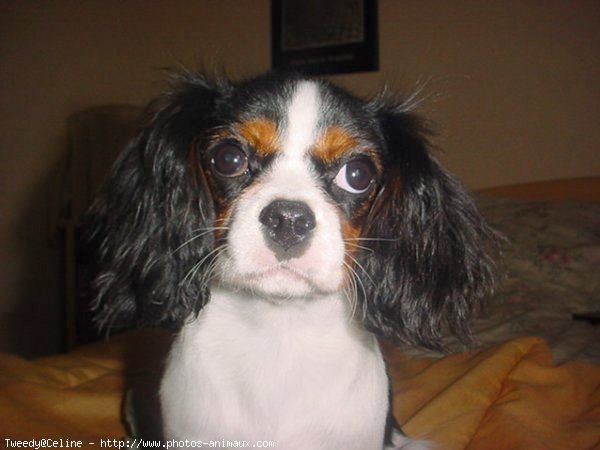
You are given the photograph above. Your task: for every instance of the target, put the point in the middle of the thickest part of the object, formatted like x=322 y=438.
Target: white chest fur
x=297 y=373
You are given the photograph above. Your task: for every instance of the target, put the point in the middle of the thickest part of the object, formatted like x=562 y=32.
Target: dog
x=283 y=225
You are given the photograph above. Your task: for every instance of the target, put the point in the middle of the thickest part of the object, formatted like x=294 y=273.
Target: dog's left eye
x=229 y=160
x=355 y=176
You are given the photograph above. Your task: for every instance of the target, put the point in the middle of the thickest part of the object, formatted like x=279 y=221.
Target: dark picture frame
x=317 y=37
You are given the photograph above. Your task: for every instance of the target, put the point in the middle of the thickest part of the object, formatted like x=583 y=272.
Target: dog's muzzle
x=287 y=226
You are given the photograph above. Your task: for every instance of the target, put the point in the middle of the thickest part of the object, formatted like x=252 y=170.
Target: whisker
x=362 y=268
x=351 y=291
x=356 y=283
x=212 y=266
x=362 y=247
x=221 y=220
x=373 y=239
x=209 y=229
x=188 y=277
x=210 y=270
x=204 y=232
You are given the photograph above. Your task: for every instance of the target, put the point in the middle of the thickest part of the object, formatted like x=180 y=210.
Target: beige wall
x=513 y=86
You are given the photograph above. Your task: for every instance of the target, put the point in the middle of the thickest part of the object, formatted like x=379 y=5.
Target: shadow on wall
x=51 y=312
x=33 y=326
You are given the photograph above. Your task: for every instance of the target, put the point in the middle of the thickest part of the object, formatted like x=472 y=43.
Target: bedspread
x=510 y=396
x=547 y=272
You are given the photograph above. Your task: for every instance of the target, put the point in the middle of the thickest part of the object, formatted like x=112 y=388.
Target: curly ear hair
x=151 y=205
x=425 y=267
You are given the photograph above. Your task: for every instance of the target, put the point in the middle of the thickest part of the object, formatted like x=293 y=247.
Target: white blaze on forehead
x=302 y=120
x=250 y=263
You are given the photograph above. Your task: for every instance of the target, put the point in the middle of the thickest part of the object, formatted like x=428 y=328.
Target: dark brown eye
x=355 y=176
x=229 y=160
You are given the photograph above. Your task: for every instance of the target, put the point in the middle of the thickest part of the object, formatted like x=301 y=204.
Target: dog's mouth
x=282 y=280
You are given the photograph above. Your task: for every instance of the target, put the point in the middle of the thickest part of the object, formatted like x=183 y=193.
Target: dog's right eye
x=229 y=160
x=355 y=177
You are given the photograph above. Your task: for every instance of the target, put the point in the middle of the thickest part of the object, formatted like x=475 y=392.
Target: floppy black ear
x=426 y=261
x=148 y=223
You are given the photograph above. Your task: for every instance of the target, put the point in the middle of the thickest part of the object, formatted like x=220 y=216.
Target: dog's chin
x=282 y=283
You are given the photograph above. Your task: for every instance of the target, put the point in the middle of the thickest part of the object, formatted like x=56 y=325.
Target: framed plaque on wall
x=325 y=37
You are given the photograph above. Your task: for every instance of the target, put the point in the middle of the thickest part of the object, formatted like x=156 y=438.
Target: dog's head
x=289 y=188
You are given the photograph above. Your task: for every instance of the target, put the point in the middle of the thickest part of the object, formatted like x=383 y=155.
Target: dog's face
x=289 y=188
x=292 y=183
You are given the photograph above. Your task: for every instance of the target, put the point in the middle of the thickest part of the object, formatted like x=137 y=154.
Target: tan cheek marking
x=352 y=229
x=223 y=215
x=332 y=144
x=261 y=134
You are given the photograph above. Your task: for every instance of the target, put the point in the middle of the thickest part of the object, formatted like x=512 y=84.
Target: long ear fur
x=427 y=264
x=148 y=224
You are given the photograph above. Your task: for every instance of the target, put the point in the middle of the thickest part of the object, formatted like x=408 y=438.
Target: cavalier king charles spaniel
x=282 y=225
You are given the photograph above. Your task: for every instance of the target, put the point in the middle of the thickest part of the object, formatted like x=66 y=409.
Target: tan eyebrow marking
x=261 y=134
x=334 y=142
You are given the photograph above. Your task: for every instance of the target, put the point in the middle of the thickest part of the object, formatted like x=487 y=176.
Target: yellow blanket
x=507 y=397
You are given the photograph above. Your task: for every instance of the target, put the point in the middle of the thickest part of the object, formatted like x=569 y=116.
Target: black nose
x=287 y=226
